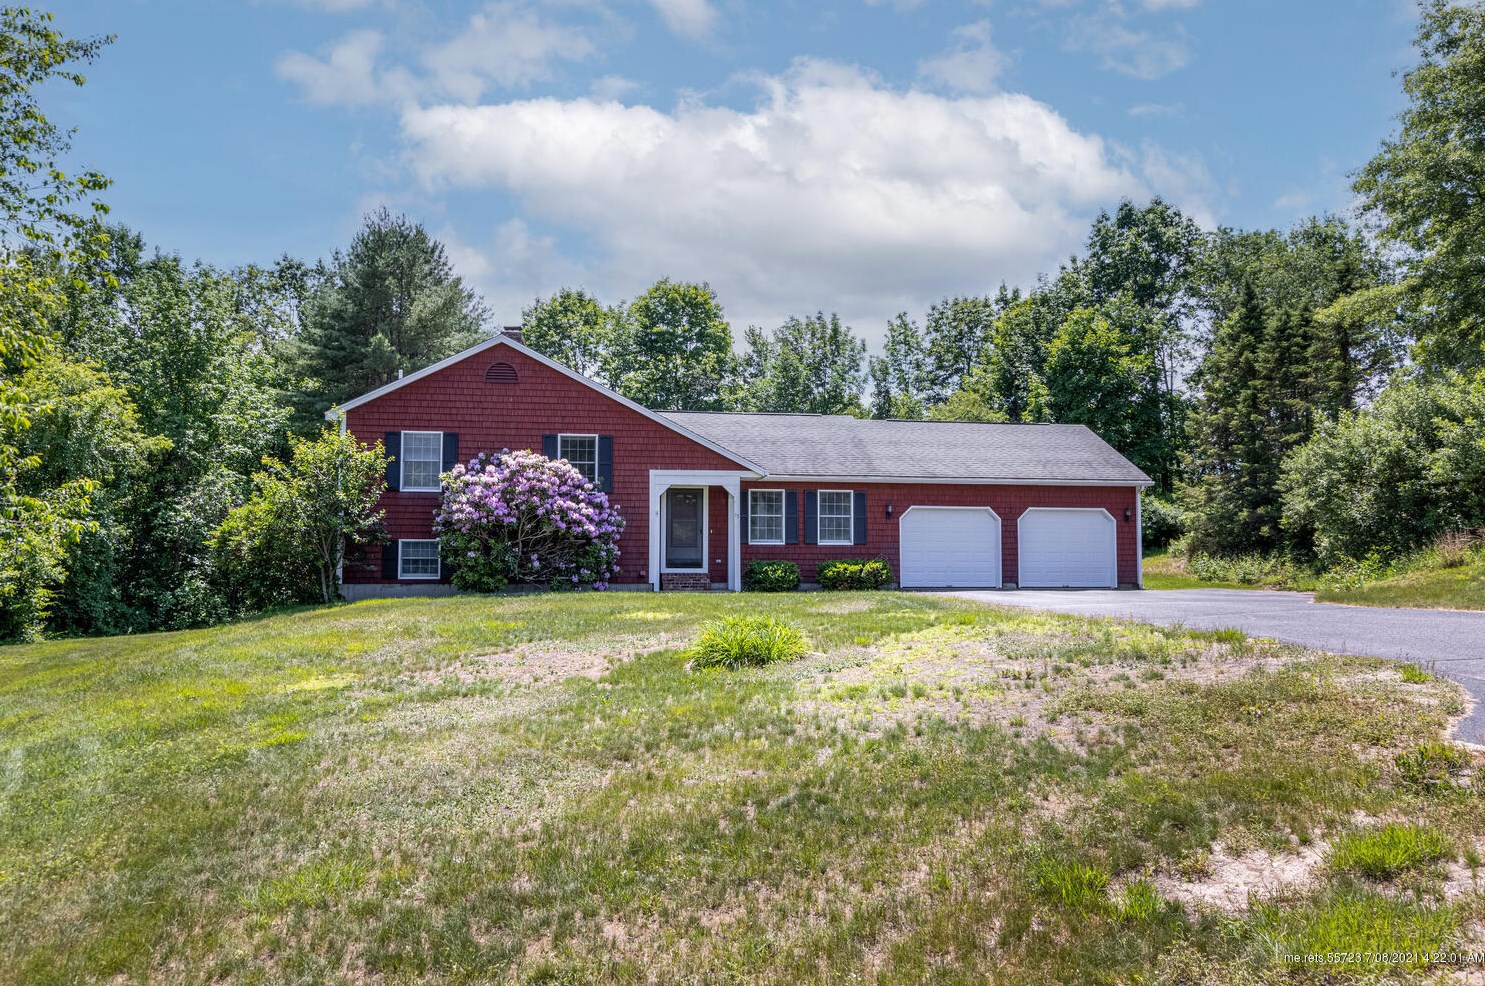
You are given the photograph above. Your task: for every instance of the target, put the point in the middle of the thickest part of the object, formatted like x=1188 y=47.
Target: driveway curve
x=1449 y=642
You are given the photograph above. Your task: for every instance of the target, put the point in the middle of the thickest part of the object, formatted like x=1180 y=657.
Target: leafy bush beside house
x=521 y=517
x=854 y=573
x=1161 y=522
x=774 y=575
x=285 y=545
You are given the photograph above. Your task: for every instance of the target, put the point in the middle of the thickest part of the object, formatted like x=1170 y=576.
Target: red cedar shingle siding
x=1007 y=501
x=489 y=417
x=492 y=416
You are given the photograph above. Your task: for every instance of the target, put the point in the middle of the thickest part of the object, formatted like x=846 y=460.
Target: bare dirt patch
x=538 y=665
x=1034 y=681
x=1228 y=882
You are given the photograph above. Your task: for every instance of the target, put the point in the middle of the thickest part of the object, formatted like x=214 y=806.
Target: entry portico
x=663 y=521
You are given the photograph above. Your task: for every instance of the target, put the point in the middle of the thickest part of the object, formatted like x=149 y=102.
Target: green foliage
x=1070 y=884
x=390 y=304
x=854 y=573
x=956 y=334
x=287 y=542
x=1388 y=851
x=572 y=328
x=1254 y=569
x=1094 y=376
x=806 y=366
x=1161 y=522
x=1395 y=476
x=900 y=376
x=35 y=535
x=673 y=350
x=747 y=641
x=1421 y=183
x=1354 y=930
x=1431 y=767
x=1139 y=902
x=776 y=575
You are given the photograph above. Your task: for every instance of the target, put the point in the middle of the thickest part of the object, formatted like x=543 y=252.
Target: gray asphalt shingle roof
x=840 y=445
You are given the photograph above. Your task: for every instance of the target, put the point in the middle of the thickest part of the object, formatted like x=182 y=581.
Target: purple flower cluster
x=521 y=517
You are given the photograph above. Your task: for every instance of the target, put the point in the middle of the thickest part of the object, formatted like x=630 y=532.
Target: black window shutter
x=450 y=449
x=747 y=517
x=606 y=463
x=394 y=456
x=858 y=518
x=811 y=517
x=549 y=446
x=389 y=560
x=791 y=516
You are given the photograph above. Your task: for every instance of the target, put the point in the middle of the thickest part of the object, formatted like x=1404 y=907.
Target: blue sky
x=862 y=157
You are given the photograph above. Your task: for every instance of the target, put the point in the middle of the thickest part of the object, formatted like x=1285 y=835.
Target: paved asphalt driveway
x=1449 y=642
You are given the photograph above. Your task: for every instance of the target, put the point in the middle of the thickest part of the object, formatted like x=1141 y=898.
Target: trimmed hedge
x=771 y=576
x=854 y=573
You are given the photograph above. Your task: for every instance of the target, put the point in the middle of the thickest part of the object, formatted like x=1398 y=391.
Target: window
x=837 y=525
x=422 y=460
x=765 y=516
x=417 y=560
x=582 y=452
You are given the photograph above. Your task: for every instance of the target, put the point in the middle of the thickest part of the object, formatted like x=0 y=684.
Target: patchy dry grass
x=536 y=789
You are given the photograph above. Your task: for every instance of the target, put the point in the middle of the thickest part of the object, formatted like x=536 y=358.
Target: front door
x=684 y=547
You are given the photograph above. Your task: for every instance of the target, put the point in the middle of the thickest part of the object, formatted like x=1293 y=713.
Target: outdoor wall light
x=1128 y=514
x=889 y=511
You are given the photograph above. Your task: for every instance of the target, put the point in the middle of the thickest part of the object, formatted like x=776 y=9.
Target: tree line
x=1315 y=392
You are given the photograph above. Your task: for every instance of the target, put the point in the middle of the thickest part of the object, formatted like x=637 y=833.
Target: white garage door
x=950 y=546
x=1066 y=548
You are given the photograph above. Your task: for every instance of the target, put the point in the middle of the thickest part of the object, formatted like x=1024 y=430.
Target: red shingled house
x=948 y=504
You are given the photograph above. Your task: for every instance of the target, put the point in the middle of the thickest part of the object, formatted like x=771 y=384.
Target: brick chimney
x=513 y=332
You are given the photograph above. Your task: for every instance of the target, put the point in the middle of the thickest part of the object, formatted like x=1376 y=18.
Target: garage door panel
x=949 y=546
x=1066 y=548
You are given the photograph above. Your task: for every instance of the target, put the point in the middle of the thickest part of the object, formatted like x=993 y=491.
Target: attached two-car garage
x=961 y=547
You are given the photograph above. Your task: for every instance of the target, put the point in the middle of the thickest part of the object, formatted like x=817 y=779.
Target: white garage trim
x=1109 y=577
x=994 y=552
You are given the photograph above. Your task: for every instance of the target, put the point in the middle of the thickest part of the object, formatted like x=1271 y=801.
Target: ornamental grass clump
x=747 y=641
x=519 y=517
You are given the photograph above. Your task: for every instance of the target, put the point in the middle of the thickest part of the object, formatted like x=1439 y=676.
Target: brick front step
x=685 y=582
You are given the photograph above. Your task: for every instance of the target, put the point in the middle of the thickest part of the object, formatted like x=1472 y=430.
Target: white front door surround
x=662 y=480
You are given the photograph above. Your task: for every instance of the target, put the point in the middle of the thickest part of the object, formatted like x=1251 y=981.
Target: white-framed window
x=835 y=516
x=581 y=451
x=417 y=559
x=422 y=461
x=765 y=516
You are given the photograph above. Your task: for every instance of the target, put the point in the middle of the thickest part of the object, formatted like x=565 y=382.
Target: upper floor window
x=581 y=451
x=765 y=516
x=422 y=461
x=837 y=520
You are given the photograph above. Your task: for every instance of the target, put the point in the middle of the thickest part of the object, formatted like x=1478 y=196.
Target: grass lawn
x=1426 y=587
x=537 y=789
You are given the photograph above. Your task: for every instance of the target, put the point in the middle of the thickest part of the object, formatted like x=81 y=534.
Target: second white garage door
x=950 y=546
x=1066 y=548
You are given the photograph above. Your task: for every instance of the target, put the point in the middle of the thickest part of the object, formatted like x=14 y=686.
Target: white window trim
x=851 y=499
x=402 y=464
x=783 y=516
x=562 y=435
x=401 y=576
x=706 y=514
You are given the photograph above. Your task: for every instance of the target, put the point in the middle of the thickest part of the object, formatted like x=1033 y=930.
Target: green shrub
x=771 y=576
x=1161 y=522
x=1251 y=569
x=854 y=573
x=742 y=641
x=1385 y=852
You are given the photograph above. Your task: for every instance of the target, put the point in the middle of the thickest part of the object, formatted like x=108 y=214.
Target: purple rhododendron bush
x=521 y=517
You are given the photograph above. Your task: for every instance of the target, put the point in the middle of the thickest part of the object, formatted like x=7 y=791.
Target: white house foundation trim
x=662 y=480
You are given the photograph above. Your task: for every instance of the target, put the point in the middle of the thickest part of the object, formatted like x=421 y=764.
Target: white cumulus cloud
x=833 y=191
x=689 y=18
x=972 y=62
